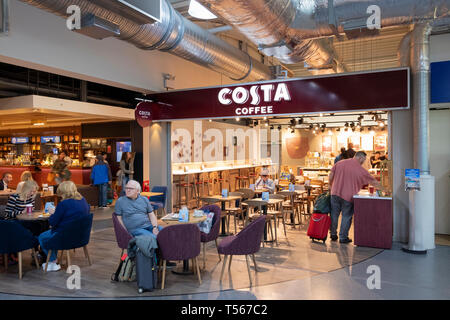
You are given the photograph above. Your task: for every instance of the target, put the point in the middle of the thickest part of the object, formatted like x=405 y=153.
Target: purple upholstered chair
x=179 y=242
x=122 y=235
x=215 y=228
x=246 y=242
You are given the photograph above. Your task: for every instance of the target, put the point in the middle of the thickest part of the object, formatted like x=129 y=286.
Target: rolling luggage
x=319 y=226
x=146 y=272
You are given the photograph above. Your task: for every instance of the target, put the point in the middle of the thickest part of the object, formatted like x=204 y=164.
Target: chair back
x=255 y=203
x=237 y=194
x=215 y=228
x=74 y=234
x=248 y=193
x=122 y=234
x=14 y=237
x=161 y=198
x=179 y=242
x=276 y=196
x=248 y=241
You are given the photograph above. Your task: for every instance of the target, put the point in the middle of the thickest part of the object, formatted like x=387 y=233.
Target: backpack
x=323 y=203
x=126 y=271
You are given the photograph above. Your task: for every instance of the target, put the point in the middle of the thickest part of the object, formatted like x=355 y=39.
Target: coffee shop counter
x=372 y=220
x=79 y=175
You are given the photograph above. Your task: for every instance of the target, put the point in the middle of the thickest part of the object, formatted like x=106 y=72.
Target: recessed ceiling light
x=198 y=11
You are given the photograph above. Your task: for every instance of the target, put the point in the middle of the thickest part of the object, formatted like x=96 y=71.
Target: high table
x=372 y=220
x=167 y=221
x=222 y=200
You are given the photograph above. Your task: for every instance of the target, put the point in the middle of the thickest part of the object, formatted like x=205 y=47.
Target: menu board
x=380 y=143
x=367 y=142
x=19 y=140
x=54 y=139
x=355 y=139
x=326 y=143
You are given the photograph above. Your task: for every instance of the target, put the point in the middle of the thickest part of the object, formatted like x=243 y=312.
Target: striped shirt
x=16 y=206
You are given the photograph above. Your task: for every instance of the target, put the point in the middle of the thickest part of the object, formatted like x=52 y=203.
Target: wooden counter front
x=79 y=175
x=373 y=222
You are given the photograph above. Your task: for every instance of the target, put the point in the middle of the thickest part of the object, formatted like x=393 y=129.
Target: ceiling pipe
x=174 y=34
x=268 y=25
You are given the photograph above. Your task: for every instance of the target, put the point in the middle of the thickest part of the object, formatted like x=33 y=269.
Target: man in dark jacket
x=350 y=152
x=6 y=180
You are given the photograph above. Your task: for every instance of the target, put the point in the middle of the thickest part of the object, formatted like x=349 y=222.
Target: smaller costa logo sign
x=143 y=114
x=266 y=93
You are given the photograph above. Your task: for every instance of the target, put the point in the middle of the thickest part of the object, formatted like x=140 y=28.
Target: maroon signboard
x=381 y=90
x=143 y=114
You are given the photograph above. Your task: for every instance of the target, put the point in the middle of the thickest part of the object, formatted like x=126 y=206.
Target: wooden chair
x=235 y=211
x=290 y=206
x=251 y=215
x=277 y=213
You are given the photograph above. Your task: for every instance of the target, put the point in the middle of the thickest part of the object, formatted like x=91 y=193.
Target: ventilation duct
x=267 y=23
x=173 y=34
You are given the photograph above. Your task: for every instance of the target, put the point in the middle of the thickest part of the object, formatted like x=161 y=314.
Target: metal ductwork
x=268 y=24
x=325 y=18
x=173 y=34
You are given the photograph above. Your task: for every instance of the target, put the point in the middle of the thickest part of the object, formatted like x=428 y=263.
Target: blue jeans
x=43 y=238
x=337 y=205
x=102 y=192
x=125 y=180
x=145 y=232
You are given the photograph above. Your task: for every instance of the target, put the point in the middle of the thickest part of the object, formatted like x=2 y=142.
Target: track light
x=311 y=126
x=279 y=128
x=271 y=127
x=237 y=119
x=346 y=124
x=299 y=120
x=338 y=129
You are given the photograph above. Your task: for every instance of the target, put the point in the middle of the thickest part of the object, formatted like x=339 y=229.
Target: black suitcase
x=146 y=271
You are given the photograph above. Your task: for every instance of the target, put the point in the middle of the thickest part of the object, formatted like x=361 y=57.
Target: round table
x=165 y=221
x=36 y=222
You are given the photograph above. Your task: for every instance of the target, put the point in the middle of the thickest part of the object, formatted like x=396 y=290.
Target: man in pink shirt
x=346 y=179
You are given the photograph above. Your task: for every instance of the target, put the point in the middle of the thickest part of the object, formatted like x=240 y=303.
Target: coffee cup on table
x=29 y=209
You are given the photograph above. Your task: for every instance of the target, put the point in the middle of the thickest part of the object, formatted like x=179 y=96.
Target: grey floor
x=402 y=276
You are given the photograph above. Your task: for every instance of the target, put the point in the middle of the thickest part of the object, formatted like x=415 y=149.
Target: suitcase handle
x=317 y=220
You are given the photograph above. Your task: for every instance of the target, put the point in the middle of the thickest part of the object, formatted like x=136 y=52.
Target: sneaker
x=346 y=240
x=52 y=266
x=334 y=238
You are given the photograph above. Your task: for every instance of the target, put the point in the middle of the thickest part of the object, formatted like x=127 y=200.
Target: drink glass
x=371 y=189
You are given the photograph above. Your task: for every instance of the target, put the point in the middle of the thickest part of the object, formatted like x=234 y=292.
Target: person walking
x=346 y=179
x=126 y=169
x=101 y=177
x=341 y=156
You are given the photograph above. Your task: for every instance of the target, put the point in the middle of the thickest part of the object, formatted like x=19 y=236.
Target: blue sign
x=412 y=179
x=54 y=139
x=265 y=196
x=19 y=140
x=440 y=82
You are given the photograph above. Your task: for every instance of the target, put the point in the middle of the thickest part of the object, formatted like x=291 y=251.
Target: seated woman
x=18 y=201
x=73 y=206
x=25 y=176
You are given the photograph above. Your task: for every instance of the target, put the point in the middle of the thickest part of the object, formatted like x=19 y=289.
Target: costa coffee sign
x=381 y=90
x=143 y=114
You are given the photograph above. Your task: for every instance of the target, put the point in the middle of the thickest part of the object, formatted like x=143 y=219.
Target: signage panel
x=54 y=139
x=380 y=90
x=19 y=140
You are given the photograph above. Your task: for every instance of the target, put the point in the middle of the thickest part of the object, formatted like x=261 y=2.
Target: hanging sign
x=379 y=90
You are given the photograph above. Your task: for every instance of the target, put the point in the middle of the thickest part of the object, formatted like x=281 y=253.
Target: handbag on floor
x=126 y=271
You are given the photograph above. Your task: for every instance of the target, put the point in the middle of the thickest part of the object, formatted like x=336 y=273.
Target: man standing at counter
x=6 y=179
x=346 y=179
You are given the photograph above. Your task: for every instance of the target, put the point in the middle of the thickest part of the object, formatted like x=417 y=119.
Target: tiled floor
x=297 y=269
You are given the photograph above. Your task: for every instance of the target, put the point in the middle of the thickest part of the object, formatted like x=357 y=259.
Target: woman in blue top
x=72 y=207
x=101 y=176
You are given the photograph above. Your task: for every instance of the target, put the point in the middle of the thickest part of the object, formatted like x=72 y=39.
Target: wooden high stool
x=240 y=181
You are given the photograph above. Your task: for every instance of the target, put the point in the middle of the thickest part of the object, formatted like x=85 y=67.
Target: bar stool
x=241 y=178
x=235 y=211
x=224 y=180
x=252 y=176
x=187 y=188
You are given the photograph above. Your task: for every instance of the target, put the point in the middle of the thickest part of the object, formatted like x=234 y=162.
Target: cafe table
x=36 y=222
x=292 y=195
x=151 y=194
x=254 y=203
x=258 y=192
x=222 y=200
x=172 y=219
